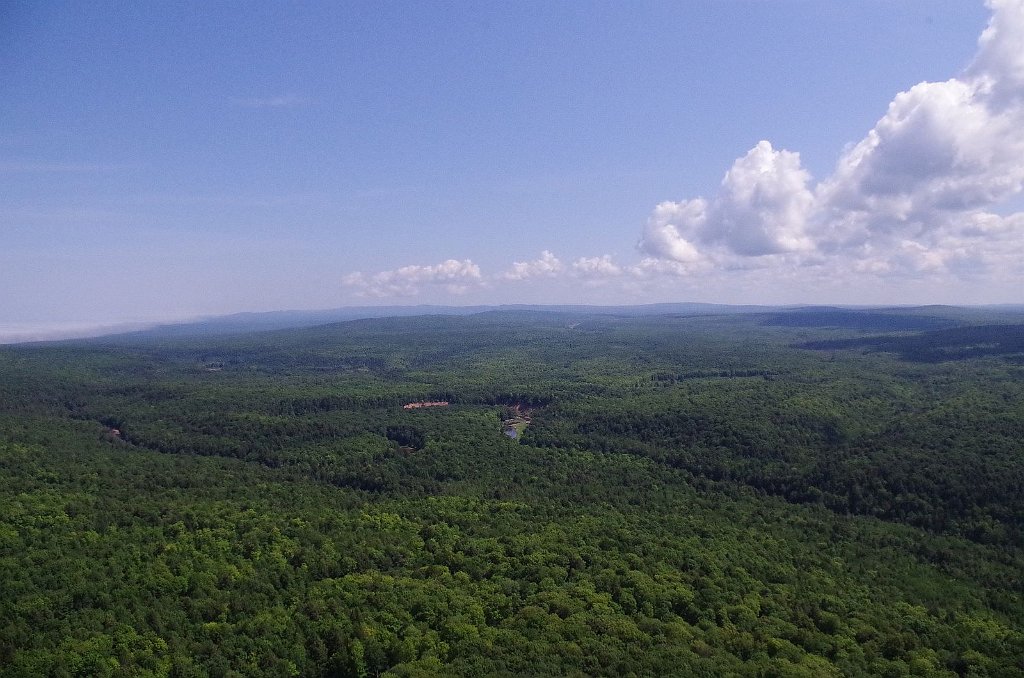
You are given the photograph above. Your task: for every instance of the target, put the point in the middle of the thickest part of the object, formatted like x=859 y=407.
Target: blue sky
x=168 y=160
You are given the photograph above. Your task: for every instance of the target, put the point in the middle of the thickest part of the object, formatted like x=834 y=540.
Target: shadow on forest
x=959 y=343
x=856 y=320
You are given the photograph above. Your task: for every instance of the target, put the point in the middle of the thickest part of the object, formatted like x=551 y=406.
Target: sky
x=172 y=160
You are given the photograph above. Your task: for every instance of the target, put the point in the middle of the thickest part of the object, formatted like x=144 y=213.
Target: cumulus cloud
x=454 y=276
x=672 y=229
x=915 y=195
x=596 y=267
x=547 y=265
x=999 y=63
x=761 y=208
x=655 y=267
x=460 y=276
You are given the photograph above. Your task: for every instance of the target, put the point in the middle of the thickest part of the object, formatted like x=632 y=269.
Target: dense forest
x=817 y=492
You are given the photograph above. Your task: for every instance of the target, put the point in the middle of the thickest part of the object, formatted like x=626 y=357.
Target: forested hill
x=804 y=492
x=238 y=323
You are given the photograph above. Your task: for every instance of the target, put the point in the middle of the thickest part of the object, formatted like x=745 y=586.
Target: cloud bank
x=459 y=277
x=547 y=265
x=914 y=195
x=456 y=277
x=596 y=267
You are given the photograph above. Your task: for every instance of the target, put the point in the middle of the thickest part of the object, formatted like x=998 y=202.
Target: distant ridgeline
x=686 y=490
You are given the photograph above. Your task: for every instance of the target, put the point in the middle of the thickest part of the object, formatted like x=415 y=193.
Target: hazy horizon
x=16 y=333
x=167 y=163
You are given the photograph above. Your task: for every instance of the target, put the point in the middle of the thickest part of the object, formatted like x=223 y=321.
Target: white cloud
x=454 y=276
x=763 y=204
x=999 y=64
x=596 y=267
x=672 y=228
x=913 y=197
x=547 y=265
x=761 y=209
x=655 y=267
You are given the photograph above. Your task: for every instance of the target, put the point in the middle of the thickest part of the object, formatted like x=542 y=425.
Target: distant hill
x=243 y=323
x=858 y=318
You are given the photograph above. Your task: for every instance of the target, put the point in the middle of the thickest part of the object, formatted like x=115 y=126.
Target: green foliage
x=693 y=496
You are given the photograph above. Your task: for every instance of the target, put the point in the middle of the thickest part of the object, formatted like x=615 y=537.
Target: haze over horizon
x=168 y=162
